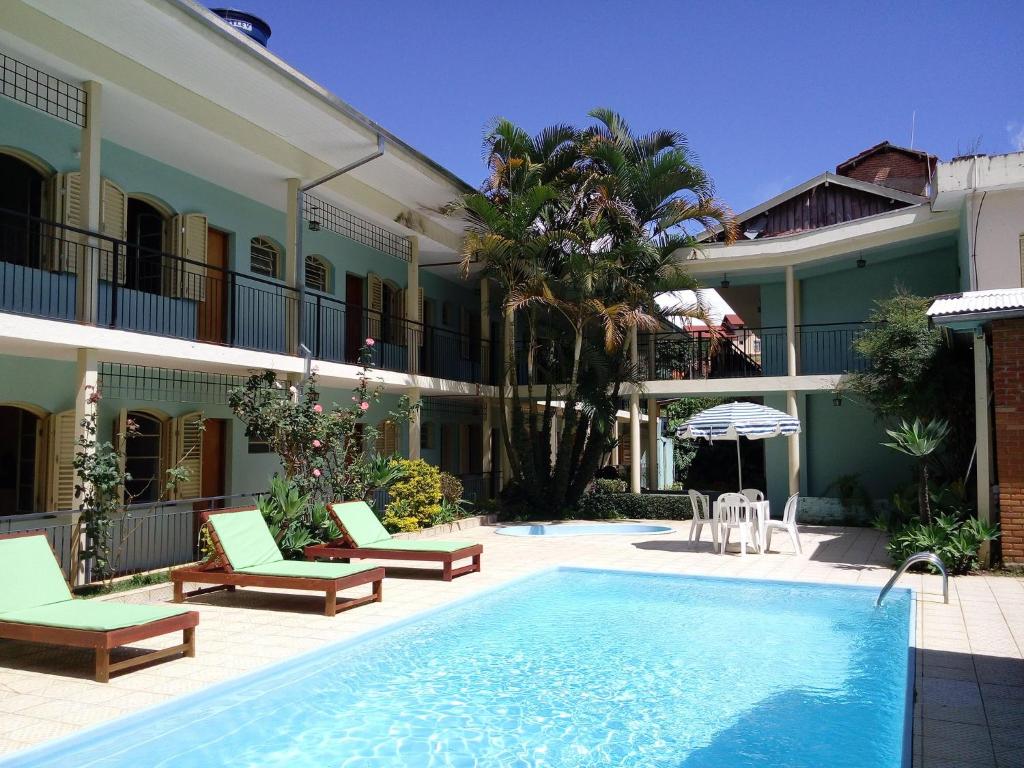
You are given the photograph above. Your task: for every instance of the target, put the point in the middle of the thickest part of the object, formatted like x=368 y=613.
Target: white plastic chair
x=734 y=511
x=787 y=524
x=701 y=517
x=753 y=494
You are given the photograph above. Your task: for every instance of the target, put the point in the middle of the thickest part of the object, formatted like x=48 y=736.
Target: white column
x=791 y=369
x=634 y=420
x=615 y=456
x=91 y=177
x=793 y=444
x=87 y=381
x=652 y=443
x=291 y=264
x=982 y=434
x=414 y=423
x=414 y=335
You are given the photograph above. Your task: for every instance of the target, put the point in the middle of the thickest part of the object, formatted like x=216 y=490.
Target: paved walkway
x=970 y=673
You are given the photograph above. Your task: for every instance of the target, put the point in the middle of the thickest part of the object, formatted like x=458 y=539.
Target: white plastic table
x=762 y=513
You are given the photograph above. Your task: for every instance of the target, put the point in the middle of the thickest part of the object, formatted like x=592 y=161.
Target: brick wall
x=1008 y=393
x=891 y=169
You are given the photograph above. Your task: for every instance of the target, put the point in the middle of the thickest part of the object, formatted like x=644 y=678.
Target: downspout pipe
x=300 y=195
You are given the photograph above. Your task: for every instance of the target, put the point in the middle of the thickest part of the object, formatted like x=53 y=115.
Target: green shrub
x=956 y=541
x=632 y=506
x=293 y=520
x=398 y=519
x=416 y=495
x=451 y=488
x=603 y=485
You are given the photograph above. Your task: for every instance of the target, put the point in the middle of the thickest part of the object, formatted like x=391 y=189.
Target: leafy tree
x=579 y=229
x=678 y=412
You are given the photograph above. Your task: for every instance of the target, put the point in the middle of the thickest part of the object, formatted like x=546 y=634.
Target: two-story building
x=179 y=208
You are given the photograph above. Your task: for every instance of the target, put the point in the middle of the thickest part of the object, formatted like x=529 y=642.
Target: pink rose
x=317 y=443
x=364 y=405
x=370 y=342
x=318 y=408
x=316 y=473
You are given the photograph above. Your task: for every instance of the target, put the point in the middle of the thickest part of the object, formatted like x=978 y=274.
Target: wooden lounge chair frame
x=346 y=549
x=103 y=642
x=218 y=571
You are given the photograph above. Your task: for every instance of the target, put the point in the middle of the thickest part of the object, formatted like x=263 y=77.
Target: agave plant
x=920 y=439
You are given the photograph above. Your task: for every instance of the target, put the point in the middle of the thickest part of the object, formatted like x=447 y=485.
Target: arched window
x=21 y=192
x=264 y=257
x=317 y=273
x=142 y=456
x=146 y=225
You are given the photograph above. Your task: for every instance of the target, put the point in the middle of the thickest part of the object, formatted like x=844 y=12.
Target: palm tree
x=580 y=230
x=920 y=440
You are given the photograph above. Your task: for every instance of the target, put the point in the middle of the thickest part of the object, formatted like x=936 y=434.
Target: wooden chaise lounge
x=36 y=606
x=247 y=556
x=364 y=536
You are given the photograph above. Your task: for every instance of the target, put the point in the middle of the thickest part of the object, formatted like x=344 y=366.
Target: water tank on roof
x=251 y=25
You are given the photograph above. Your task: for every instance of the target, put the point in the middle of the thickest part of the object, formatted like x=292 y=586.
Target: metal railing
x=144 y=537
x=824 y=348
x=920 y=557
x=65 y=273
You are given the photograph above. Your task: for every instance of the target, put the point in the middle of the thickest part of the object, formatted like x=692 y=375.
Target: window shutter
x=625 y=453
x=60 y=461
x=188 y=279
x=68 y=247
x=387 y=438
x=375 y=302
x=188 y=454
x=113 y=223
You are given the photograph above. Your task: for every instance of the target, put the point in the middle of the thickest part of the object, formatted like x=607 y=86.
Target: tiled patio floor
x=970 y=672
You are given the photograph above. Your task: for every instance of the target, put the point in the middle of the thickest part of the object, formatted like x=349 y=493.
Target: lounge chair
x=36 y=606
x=364 y=536
x=247 y=556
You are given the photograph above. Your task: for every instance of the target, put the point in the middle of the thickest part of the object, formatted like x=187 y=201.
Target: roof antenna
x=913 y=127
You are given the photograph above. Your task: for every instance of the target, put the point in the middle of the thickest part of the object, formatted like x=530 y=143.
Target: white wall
x=997 y=246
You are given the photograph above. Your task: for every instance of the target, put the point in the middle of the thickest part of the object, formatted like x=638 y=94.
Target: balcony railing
x=46 y=270
x=826 y=348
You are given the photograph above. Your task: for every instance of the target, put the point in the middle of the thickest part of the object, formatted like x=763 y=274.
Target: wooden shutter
x=625 y=449
x=189 y=241
x=387 y=438
x=113 y=223
x=375 y=304
x=188 y=454
x=60 y=461
x=68 y=247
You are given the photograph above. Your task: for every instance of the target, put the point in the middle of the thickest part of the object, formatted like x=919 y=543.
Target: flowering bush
x=417 y=495
x=323 y=450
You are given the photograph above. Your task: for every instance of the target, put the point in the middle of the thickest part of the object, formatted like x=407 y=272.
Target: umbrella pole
x=739 y=463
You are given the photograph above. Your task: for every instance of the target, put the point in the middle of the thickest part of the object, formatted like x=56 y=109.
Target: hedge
x=633 y=506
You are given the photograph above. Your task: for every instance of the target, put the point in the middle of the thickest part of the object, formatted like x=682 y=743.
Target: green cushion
x=421 y=545
x=359 y=522
x=305 y=569
x=96 y=615
x=245 y=538
x=29 y=574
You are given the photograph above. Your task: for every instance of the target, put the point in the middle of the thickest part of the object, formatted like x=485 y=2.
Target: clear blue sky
x=769 y=93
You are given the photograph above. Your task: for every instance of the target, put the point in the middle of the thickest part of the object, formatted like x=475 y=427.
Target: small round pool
x=582 y=530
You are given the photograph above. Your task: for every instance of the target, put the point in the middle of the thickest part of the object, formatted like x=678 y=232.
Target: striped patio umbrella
x=731 y=421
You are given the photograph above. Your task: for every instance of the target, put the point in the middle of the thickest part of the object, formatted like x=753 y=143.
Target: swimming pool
x=565 y=669
x=582 y=529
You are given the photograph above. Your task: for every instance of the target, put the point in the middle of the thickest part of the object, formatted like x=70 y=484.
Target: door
x=214 y=462
x=212 y=310
x=353 y=317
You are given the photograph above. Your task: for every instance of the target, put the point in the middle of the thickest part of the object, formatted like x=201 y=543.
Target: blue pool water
x=582 y=529
x=566 y=669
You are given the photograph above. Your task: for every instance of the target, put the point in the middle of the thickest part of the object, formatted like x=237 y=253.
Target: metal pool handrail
x=919 y=557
